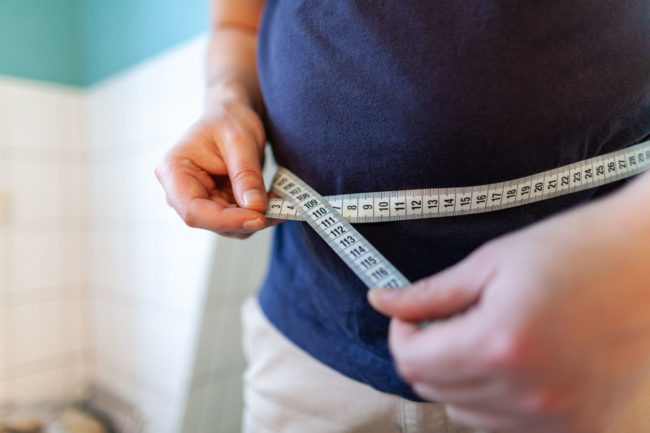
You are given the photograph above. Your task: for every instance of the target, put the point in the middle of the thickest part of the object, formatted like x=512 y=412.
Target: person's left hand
x=544 y=330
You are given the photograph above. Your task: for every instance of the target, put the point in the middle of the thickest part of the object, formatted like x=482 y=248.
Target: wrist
x=218 y=91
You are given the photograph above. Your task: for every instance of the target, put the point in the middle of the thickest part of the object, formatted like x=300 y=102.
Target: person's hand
x=213 y=176
x=544 y=330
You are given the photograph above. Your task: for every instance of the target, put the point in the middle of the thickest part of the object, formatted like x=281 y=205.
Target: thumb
x=449 y=292
x=242 y=157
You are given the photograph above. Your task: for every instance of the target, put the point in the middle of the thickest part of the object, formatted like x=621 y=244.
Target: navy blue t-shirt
x=378 y=95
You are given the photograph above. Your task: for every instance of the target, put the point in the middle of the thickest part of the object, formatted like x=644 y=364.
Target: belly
x=364 y=97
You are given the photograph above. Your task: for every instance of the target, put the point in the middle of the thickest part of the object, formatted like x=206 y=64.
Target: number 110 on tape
x=356 y=251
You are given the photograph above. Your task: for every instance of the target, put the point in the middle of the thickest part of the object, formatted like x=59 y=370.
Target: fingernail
x=255 y=224
x=254 y=197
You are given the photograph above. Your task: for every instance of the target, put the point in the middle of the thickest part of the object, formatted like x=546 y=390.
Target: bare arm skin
x=230 y=67
x=544 y=330
x=212 y=177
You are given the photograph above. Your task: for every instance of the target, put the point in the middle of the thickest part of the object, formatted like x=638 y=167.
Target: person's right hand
x=213 y=176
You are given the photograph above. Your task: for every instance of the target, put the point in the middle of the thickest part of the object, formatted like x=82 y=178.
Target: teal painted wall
x=120 y=33
x=40 y=39
x=80 y=42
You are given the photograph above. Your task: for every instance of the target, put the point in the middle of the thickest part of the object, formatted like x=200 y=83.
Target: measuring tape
x=331 y=216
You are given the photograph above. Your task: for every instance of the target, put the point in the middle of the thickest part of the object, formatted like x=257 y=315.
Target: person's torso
x=383 y=95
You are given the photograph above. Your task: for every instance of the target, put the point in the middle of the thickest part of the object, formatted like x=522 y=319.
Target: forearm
x=231 y=70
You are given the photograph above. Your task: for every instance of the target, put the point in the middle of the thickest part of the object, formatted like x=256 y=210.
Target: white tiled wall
x=215 y=399
x=165 y=298
x=99 y=280
x=43 y=281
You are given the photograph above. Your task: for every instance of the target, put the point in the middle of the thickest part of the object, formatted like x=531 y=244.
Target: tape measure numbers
x=355 y=250
x=443 y=202
x=331 y=216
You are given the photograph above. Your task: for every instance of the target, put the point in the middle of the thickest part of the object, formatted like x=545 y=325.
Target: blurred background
x=107 y=301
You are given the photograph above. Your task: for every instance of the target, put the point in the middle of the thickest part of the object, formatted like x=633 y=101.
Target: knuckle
x=505 y=350
x=540 y=402
x=258 y=130
x=245 y=173
x=169 y=201
x=189 y=219
x=161 y=168
x=233 y=133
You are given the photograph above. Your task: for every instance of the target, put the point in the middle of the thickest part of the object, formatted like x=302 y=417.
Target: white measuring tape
x=331 y=216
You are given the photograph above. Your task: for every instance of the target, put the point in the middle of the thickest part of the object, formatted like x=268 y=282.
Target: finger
x=210 y=215
x=242 y=157
x=487 y=420
x=449 y=292
x=483 y=395
x=270 y=222
x=186 y=188
x=183 y=181
x=479 y=420
x=442 y=353
x=241 y=236
x=470 y=392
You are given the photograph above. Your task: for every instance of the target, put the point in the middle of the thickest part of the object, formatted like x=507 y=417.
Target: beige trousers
x=287 y=391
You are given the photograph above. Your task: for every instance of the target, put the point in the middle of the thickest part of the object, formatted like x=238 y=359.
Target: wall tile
x=227 y=335
x=151 y=196
x=40 y=387
x=213 y=409
x=73 y=323
x=163 y=415
x=37 y=260
x=36 y=189
x=111 y=193
x=5 y=261
x=6 y=96
x=187 y=259
x=133 y=107
x=38 y=331
x=206 y=346
x=145 y=344
x=251 y=266
x=5 y=360
x=166 y=272
x=194 y=411
x=36 y=116
x=46 y=260
x=73 y=259
x=72 y=382
x=231 y=415
x=75 y=187
x=6 y=392
x=72 y=106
